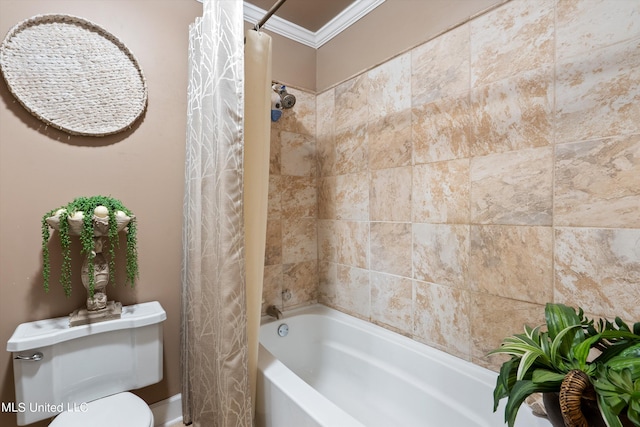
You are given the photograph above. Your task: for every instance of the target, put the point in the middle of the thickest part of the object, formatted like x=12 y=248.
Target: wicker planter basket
x=575 y=405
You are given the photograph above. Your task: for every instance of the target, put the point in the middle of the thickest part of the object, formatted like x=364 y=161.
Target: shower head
x=286 y=99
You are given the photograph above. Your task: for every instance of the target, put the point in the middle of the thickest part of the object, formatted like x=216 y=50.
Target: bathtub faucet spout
x=273 y=311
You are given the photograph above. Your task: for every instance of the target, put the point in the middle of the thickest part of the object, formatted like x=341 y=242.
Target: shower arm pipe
x=271 y=11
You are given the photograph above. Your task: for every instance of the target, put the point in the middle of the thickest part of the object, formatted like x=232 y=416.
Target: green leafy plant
x=87 y=205
x=546 y=360
x=618 y=385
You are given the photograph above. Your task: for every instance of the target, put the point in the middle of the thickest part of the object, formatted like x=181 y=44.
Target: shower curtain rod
x=271 y=11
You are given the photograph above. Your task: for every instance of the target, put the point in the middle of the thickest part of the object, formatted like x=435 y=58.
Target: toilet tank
x=66 y=367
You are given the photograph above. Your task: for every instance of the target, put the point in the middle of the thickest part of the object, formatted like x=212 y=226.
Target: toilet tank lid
x=46 y=332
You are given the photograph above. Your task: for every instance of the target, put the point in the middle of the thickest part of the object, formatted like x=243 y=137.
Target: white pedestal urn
x=98 y=308
x=100 y=276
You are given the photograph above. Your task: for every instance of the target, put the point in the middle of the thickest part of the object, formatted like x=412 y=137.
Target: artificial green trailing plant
x=87 y=205
x=544 y=361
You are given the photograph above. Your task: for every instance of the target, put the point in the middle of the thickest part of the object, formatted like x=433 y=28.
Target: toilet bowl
x=122 y=409
x=82 y=375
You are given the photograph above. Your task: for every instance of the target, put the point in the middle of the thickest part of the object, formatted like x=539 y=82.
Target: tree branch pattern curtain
x=216 y=390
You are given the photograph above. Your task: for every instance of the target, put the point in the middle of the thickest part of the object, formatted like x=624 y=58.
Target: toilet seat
x=122 y=409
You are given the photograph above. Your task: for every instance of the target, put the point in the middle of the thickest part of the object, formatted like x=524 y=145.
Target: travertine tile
x=584 y=26
x=298 y=154
x=301 y=118
x=328 y=240
x=274 y=203
x=305 y=111
x=272 y=287
x=351 y=150
x=299 y=197
x=441 y=318
x=599 y=270
x=392 y=302
x=325 y=139
x=327 y=283
x=512 y=262
x=513 y=113
x=352 y=197
x=390 y=194
x=390 y=141
x=441 y=254
x=389 y=88
x=274 y=152
x=301 y=279
x=512 y=188
x=441 y=192
x=299 y=240
x=441 y=130
x=486 y=124
x=513 y=38
x=351 y=99
x=353 y=291
x=292 y=195
x=597 y=183
x=597 y=93
x=345 y=242
x=325 y=106
x=352 y=241
x=273 y=250
x=327 y=193
x=326 y=152
x=440 y=67
x=492 y=319
x=391 y=248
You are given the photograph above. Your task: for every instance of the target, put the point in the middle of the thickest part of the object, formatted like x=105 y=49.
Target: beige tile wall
x=463 y=184
x=291 y=256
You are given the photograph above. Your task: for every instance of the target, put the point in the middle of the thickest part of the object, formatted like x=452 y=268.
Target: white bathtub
x=334 y=370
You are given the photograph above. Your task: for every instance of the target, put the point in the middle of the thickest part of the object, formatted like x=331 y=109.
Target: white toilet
x=83 y=372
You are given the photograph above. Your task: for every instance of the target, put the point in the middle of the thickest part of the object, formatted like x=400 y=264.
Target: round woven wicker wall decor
x=73 y=75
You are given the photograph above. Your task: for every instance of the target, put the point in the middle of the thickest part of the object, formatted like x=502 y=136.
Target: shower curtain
x=257 y=124
x=225 y=211
x=215 y=389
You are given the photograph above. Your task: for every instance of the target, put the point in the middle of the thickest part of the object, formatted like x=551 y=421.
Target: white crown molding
x=254 y=14
x=346 y=18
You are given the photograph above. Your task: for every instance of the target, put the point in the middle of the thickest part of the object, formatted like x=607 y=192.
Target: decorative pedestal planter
x=98 y=308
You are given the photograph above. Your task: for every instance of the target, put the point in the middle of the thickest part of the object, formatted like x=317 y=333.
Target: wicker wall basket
x=73 y=75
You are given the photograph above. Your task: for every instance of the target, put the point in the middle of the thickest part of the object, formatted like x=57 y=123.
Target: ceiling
x=310 y=22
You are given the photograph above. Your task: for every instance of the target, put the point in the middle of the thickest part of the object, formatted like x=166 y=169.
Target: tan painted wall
x=293 y=63
x=42 y=168
x=391 y=28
